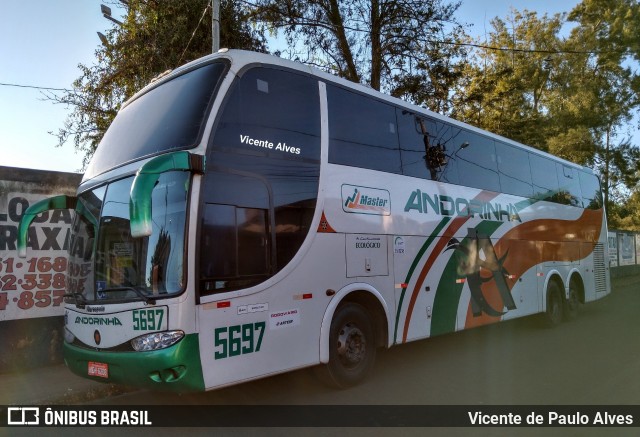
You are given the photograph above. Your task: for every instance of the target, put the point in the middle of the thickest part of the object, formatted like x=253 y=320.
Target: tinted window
x=423 y=148
x=544 y=178
x=591 y=193
x=362 y=131
x=413 y=144
x=80 y=268
x=126 y=267
x=235 y=247
x=439 y=151
x=247 y=191
x=259 y=201
x=170 y=116
x=514 y=170
x=271 y=113
x=569 y=192
x=271 y=202
x=476 y=158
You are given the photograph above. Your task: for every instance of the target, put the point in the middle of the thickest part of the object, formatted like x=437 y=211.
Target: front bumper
x=176 y=368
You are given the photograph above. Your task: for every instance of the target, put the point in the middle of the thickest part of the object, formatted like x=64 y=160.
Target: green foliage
x=509 y=91
x=387 y=44
x=571 y=93
x=572 y=96
x=626 y=215
x=434 y=79
x=608 y=93
x=575 y=143
x=156 y=35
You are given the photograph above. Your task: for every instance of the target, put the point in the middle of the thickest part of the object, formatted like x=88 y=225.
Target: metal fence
x=624 y=248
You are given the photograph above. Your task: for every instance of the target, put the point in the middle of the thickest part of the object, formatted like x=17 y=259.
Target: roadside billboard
x=613 y=248
x=626 y=249
x=33 y=287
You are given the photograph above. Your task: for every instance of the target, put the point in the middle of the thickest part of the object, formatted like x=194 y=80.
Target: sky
x=43 y=41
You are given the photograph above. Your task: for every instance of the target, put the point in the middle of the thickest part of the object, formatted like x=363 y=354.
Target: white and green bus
x=247 y=215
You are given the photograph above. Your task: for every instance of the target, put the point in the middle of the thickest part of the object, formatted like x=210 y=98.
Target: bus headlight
x=157 y=340
x=68 y=336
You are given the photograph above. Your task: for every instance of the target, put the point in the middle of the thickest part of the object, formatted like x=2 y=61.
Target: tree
x=433 y=81
x=626 y=215
x=508 y=86
x=572 y=96
x=156 y=35
x=375 y=42
x=607 y=35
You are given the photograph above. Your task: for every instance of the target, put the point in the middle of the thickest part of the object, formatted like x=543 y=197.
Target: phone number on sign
x=36 y=282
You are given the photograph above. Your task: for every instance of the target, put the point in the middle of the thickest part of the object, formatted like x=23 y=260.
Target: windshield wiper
x=137 y=290
x=81 y=302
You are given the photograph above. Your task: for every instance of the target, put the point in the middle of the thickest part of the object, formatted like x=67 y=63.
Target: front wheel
x=352 y=346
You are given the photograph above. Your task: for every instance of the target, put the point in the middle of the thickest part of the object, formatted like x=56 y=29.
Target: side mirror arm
x=56 y=202
x=145 y=180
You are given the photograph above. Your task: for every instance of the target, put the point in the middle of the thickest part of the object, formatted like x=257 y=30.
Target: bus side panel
x=274 y=327
x=408 y=252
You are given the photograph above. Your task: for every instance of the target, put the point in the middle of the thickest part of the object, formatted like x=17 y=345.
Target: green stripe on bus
x=414 y=264
x=447 y=299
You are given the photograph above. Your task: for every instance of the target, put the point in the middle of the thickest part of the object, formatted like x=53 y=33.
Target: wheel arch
x=374 y=304
x=552 y=276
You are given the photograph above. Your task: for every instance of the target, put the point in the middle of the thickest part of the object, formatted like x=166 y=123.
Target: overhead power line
x=45 y=88
x=328 y=26
x=194 y=32
x=514 y=49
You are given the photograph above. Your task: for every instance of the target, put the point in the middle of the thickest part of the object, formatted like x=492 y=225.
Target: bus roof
x=241 y=58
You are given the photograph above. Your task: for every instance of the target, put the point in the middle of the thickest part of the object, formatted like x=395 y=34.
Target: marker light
x=157 y=340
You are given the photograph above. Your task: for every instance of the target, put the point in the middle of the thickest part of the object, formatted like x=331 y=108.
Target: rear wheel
x=572 y=305
x=352 y=346
x=553 y=314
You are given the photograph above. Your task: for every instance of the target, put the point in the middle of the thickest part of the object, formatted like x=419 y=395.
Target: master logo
x=365 y=200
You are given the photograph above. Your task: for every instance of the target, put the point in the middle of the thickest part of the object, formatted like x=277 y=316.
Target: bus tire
x=572 y=305
x=352 y=347
x=554 y=312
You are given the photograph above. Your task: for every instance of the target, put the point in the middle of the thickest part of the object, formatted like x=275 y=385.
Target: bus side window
x=591 y=192
x=423 y=149
x=569 y=192
x=235 y=250
x=265 y=162
x=514 y=169
x=544 y=178
x=235 y=247
x=476 y=158
x=271 y=113
x=362 y=131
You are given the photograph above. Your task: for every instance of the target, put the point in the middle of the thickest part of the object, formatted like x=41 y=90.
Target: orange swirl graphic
x=536 y=242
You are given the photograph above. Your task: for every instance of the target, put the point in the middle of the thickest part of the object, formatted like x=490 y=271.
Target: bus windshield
x=170 y=116
x=107 y=264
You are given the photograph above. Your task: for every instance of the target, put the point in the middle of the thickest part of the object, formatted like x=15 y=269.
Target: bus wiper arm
x=136 y=290
x=81 y=302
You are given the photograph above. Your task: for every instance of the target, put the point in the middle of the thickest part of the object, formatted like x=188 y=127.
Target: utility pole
x=215 y=26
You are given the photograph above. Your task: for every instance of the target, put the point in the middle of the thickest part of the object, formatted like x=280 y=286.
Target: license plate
x=98 y=369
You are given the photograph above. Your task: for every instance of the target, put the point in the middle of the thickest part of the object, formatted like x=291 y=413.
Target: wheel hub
x=351 y=344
